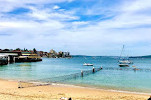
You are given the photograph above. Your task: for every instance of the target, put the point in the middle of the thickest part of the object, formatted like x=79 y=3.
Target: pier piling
x=93 y=70
x=81 y=73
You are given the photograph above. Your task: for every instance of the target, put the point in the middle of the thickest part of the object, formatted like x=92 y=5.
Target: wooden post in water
x=81 y=73
x=93 y=70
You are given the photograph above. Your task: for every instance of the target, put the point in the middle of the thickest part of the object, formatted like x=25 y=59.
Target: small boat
x=87 y=64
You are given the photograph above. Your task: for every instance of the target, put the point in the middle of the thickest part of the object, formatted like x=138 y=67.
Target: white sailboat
x=87 y=64
x=124 y=61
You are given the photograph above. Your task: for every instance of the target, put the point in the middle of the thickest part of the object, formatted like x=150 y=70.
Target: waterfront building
x=63 y=54
x=40 y=53
x=67 y=54
x=60 y=54
x=45 y=54
x=53 y=54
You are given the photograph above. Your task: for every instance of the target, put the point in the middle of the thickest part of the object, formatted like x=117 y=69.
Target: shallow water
x=111 y=77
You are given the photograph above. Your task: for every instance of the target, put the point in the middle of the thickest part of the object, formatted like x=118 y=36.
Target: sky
x=82 y=27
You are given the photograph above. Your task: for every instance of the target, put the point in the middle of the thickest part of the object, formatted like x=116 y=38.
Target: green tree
x=18 y=49
x=35 y=51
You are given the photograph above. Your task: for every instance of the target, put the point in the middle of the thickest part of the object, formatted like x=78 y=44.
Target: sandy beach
x=9 y=91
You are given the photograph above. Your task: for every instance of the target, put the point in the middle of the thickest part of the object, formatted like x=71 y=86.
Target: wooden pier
x=28 y=58
x=11 y=57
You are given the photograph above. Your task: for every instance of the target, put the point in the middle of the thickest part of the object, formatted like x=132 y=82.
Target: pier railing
x=59 y=79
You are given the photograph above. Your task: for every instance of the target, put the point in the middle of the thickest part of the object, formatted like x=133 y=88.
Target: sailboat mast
x=122 y=51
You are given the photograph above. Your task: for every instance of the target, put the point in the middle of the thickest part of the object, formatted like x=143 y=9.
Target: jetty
x=10 y=55
x=18 y=56
x=3 y=60
x=27 y=57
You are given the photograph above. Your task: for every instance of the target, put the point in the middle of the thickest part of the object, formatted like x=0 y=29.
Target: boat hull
x=87 y=64
x=123 y=65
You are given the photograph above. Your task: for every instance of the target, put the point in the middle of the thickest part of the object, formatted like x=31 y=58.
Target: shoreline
x=78 y=86
x=95 y=88
x=9 y=90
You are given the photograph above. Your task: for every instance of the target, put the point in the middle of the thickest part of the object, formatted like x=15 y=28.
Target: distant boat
x=124 y=61
x=87 y=64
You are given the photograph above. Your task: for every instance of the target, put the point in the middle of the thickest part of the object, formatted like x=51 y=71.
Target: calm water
x=129 y=80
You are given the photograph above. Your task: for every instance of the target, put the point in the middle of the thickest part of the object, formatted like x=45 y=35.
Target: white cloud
x=136 y=5
x=46 y=28
x=46 y=14
x=56 y=7
x=9 y=5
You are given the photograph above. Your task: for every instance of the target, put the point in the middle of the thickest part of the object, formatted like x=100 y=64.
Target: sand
x=9 y=91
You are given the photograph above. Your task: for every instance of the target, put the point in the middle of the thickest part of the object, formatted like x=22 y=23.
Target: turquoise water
x=127 y=80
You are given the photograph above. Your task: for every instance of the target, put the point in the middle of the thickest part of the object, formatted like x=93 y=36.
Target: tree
x=25 y=49
x=6 y=50
x=35 y=51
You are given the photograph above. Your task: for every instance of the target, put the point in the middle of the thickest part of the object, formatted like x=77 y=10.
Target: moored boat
x=87 y=64
x=124 y=61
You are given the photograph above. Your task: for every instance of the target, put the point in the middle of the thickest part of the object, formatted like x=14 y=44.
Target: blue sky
x=85 y=27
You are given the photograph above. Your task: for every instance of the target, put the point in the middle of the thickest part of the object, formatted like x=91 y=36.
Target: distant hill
x=79 y=56
x=147 y=56
x=94 y=56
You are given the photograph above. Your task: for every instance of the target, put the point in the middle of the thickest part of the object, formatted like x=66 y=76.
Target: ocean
x=111 y=77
